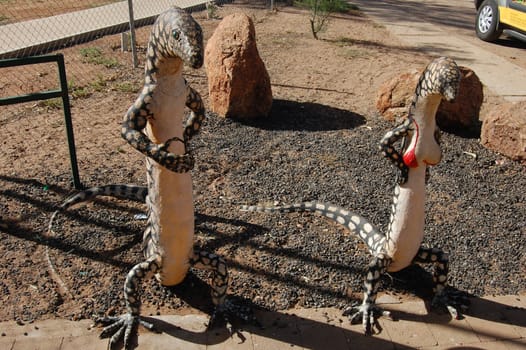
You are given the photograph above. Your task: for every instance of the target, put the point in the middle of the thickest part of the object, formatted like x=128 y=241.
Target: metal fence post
x=67 y=120
x=132 y=34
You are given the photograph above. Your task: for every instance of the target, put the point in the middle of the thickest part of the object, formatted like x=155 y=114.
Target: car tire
x=487 y=22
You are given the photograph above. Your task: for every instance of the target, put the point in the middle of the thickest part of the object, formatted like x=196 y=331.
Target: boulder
x=395 y=96
x=238 y=82
x=463 y=112
x=504 y=130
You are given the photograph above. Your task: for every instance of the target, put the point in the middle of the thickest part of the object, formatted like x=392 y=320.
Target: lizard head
x=175 y=33
x=441 y=77
x=440 y=80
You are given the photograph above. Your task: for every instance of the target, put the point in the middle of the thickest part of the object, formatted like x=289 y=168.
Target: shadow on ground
x=306 y=116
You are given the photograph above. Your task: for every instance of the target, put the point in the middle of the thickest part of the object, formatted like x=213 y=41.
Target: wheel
x=487 y=24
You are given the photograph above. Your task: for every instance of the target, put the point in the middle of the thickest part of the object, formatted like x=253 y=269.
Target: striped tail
x=132 y=192
x=353 y=222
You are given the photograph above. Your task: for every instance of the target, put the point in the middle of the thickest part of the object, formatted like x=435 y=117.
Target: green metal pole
x=69 y=124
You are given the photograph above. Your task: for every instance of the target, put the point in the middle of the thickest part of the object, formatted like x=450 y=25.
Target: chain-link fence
x=84 y=31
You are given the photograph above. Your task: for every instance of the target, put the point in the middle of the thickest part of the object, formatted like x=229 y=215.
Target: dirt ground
x=79 y=270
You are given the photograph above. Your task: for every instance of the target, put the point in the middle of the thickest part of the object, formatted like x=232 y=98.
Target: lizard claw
x=403 y=175
x=174 y=162
x=121 y=328
x=164 y=146
x=369 y=314
x=455 y=302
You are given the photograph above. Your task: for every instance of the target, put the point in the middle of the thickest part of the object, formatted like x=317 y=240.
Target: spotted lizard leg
x=388 y=151
x=368 y=310
x=134 y=122
x=454 y=302
x=125 y=326
x=197 y=114
x=219 y=285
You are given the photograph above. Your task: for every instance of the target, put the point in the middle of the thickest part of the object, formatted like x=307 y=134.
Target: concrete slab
x=492 y=323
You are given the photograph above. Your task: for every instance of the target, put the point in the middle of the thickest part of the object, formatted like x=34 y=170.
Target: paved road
x=443 y=27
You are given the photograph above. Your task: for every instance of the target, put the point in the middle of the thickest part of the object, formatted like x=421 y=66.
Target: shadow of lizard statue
x=154 y=126
x=401 y=245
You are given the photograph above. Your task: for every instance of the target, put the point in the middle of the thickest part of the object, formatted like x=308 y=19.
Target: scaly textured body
x=153 y=125
x=401 y=245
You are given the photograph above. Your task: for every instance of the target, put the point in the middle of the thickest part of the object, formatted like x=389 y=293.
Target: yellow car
x=497 y=16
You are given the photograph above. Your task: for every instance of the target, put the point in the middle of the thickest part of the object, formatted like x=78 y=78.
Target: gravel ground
x=475 y=211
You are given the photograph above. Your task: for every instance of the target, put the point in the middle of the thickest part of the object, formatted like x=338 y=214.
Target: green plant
x=99 y=84
x=77 y=91
x=52 y=103
x=126 y=87
x=211 y=10
x=320 y=12
x=95 y=55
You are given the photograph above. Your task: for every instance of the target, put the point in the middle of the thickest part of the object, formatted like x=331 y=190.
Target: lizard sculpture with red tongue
x=401 y=245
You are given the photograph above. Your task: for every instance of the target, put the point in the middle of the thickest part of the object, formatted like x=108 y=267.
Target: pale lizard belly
x=407 y=228
x=170 y=196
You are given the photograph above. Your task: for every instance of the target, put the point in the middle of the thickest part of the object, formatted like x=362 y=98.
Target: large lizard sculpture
x=151 y=125
x=401 y=244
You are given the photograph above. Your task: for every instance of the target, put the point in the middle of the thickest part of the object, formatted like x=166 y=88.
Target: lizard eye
x=175 y=34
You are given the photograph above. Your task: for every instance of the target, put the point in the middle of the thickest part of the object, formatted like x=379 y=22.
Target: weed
x=52 y=103
x=211 y=10
x=78 y=91
x=95 y=55
x=126 y=87
x=321 y=10
x=99 y=84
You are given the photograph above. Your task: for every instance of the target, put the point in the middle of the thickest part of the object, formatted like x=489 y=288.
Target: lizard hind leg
x=453 y=301
x=125 y=326
x=368 y=310
x=223 y=307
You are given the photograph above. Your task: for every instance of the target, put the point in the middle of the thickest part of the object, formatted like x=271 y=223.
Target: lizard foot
x=123 y=327
x=228 y=309
x=403 y=175
x=456 y=302
x=369 y=314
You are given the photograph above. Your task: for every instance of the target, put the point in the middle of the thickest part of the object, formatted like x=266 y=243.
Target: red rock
x=238 y=82
x=504 y=130
x=464 y=111
x=395 y=96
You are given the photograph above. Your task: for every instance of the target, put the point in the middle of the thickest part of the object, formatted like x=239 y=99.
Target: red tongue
x=410 y=158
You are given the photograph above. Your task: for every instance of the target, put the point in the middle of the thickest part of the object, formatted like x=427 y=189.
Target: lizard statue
x=153 y=125
x=401 y=245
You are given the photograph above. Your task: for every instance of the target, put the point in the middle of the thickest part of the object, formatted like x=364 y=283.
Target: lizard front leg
x=368 y=310
x=134 y=122
x=124 y=327
x=219 y=285
x=388 y=151
x=197 y=114
x=452 y=301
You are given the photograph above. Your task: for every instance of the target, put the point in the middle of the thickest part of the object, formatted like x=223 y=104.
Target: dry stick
x=62 y=288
